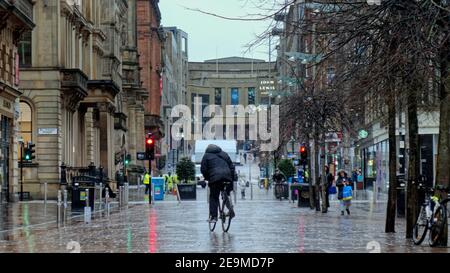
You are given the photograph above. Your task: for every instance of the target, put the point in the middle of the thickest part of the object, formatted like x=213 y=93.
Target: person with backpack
x=345 y=195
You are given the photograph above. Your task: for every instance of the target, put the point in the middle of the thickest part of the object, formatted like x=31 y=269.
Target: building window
x=25 y=50
x=264 y=100
x=26 y=122
x=234 y=96
x=251 y=96
x=218 y=96
x=204 y=100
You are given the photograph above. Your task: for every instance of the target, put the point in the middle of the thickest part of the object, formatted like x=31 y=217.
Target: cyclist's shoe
x=212 y=220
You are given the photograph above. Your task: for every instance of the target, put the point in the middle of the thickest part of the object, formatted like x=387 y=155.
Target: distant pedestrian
x=328 y=186
x=147 y=182
x=344 y=185
x=243 y=186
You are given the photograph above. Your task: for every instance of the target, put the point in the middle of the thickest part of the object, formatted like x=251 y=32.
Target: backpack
x=347 y=193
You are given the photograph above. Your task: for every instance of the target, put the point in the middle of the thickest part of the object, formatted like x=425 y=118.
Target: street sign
x=141 y=156
x=363 y=134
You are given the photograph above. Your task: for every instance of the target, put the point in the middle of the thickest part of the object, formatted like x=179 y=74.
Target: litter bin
x=303 y=193
x=158 y=188
x=401 y=196
x=79 y=194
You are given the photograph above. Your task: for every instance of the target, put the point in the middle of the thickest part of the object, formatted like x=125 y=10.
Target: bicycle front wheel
x=439 y=223
x=225 y=212
x=420 y=228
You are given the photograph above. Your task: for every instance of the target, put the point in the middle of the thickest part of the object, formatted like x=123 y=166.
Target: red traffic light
x=302 y=149
x=150 y=141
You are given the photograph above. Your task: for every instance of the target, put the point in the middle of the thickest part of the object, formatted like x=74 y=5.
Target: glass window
x=264 y=100
x=204 y=103
x=218 y=96
x=25 y=50
x=251 y=96
x=26 y=122
x=234 y=96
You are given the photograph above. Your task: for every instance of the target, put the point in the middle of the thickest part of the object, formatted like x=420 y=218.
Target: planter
x=187 y=191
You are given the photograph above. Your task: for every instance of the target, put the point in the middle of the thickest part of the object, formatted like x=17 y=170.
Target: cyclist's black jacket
x=217 y=165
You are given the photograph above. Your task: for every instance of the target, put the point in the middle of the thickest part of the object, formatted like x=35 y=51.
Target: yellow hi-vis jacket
x=147 y=179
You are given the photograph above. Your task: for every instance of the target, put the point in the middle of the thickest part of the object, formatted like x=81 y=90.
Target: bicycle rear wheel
x=225 y=212
x=440 y=218
x=420 y=228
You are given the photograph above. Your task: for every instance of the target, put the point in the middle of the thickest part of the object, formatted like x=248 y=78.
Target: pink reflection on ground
x=152 y=234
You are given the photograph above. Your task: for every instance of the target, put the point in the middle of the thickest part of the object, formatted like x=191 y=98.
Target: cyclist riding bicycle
x=278 y=177
x=217 y=168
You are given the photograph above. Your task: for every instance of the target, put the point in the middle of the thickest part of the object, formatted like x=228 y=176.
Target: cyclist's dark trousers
x=214 y=195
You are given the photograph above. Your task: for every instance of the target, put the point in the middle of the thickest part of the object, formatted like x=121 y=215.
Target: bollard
x=45 y=193
x=87 y=209
x=120 y=196
x=100 y=197
x=65 y=206
x=127 y=193
x=107 y=201
x=374 y=189
x=58 y=210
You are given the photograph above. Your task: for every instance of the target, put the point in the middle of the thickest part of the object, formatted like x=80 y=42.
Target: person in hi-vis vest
x=147 y=182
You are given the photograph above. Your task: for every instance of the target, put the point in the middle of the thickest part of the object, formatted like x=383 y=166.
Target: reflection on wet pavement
x=261 y=225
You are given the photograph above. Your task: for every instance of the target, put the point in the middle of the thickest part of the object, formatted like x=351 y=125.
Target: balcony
x=21 y=9
x=120 y=121
x=74 y=85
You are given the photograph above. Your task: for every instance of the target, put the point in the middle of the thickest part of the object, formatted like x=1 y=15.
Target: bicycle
x=279 y=190
x=432 y=216
x=439 y=218
x=225 y=210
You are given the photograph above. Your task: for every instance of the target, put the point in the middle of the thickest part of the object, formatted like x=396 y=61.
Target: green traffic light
x=27 y=157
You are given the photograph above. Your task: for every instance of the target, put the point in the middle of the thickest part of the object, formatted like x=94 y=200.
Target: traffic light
x=127 y=159
x=29 y=152
x=303 y=154
x=150 y=147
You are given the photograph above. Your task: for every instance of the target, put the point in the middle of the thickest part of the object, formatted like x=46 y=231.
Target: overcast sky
x=208 y=34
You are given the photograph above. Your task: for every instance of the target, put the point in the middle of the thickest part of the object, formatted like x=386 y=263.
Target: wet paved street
x=262 y=225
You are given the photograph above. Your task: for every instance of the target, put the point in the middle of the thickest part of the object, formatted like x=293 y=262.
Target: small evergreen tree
x=287 y=167
x=186 y=170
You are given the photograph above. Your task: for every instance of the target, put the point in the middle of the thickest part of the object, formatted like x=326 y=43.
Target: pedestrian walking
x=243 y=186
x=329 y=187
x=345 y=195
x=147 y=182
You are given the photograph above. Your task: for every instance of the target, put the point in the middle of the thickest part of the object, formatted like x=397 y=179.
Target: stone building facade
x=175 y=75
x=227 y=82
x=150 y=42
x=16 y=17
x=82 y=89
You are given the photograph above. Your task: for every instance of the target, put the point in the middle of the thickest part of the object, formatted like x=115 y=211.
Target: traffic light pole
x=150 y=185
